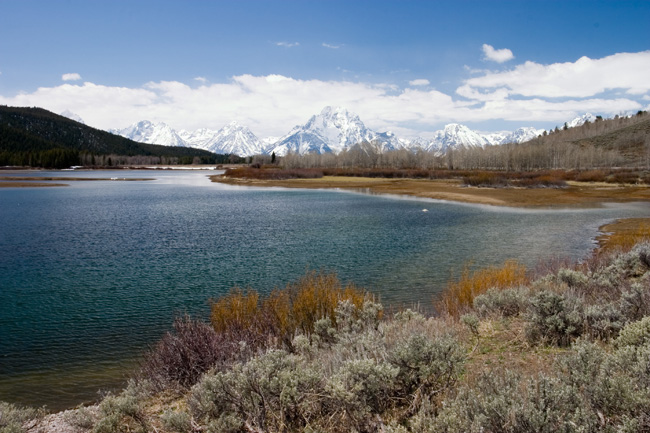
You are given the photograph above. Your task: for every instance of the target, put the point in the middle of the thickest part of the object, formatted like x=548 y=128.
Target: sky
x=405 y=66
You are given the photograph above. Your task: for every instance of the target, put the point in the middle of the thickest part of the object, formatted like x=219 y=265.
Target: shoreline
x=576 y=194
x=34 y=181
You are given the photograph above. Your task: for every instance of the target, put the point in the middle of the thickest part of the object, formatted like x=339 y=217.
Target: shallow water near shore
x=93 y=273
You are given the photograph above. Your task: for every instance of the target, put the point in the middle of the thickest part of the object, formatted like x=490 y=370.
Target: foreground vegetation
x=564 y=347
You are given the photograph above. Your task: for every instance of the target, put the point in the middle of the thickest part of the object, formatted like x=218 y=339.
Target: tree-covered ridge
x=37 y=137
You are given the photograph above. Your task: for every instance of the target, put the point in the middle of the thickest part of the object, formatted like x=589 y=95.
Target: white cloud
x=419 y=82
x=334 y=47
x=71 y=77
x=499 y=56
x=287 y=44
x=202 y=80
x=580 y=79
x=272 y=104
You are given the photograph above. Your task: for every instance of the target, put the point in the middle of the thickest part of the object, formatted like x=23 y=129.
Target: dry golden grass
x=624 y=234
x=283 y=312
x=575 y=194
x=235 y=310
x=459 y=295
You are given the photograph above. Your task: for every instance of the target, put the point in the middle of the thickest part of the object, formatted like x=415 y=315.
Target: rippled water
x=92 y=273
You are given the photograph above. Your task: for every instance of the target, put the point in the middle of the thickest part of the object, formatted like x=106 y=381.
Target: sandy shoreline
x=576 y=194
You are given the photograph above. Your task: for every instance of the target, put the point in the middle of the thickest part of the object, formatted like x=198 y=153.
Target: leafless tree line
x=618 y=142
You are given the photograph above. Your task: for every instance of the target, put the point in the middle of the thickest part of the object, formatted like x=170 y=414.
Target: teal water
x=93 y=273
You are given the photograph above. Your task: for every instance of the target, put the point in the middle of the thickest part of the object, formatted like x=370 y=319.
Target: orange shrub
x=278 y=316
x=459 y=295
x=236 y=310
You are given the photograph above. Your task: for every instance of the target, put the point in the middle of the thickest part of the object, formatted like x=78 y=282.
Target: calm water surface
x=93 y=273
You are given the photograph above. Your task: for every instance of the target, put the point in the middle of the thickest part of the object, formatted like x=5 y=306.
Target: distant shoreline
x=576 y=194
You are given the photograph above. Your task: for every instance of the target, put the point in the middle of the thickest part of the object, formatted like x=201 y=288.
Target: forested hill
x=37 y=137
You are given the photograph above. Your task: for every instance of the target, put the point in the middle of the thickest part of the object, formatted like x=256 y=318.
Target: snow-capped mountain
x=580 y=120
x=455 y=135
x=70 y=115
x=231 y=139
x=333 y=130
x=151 y=133
x=519 y=135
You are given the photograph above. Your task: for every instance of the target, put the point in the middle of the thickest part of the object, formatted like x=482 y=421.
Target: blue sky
x=405 y=66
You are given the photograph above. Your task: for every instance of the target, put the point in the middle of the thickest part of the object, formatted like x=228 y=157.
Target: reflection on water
x=93 y=273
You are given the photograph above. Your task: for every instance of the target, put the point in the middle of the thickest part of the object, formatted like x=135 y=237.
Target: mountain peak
x=581 y=120
x=72 y=116
x=333 y=130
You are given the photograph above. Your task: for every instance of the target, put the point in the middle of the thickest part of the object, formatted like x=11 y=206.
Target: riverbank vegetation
x=478 y=178
x=562 y=347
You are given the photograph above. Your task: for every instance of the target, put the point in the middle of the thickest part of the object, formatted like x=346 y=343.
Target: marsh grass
x=278 y=316
x=458 y=296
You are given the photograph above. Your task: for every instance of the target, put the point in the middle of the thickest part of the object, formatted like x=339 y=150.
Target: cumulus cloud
x=582 y=79
x=272 y=104
x=71 y=77
x=499 y=56
x=287 y=44
x=419 y=82
x=202 y=80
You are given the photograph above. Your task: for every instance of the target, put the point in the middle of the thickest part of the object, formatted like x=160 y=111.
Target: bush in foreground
x=568 y=352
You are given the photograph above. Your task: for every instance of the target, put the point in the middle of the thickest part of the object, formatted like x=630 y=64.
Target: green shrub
x=177 y=421
x=504 y=303
x=506 y=402
x=554 y=318
x=635 y=301
x=431 y=366
x=360 y=390
x=607 y=384
x=572 y=278
x=82 y=417
x=15 y=419
x=270 y=391
x=603 y=321
x=635 y=334
x=124 y=412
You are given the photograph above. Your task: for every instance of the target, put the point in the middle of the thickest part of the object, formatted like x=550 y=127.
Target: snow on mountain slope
x=454 y=136
x=580 y=120
x=231 y=139
x=70 y=115
x=151 y=133
x=521 y=135
x=332 y=130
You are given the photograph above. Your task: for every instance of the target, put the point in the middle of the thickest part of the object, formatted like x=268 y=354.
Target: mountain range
x=332 y=130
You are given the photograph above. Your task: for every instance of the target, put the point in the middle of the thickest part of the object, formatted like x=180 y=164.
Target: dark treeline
x=38 y=138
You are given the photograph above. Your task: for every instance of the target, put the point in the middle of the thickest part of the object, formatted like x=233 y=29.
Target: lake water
x=93 y=273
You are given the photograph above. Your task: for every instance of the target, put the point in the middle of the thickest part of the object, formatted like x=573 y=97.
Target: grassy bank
x=563 y=347
x=524 y=189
